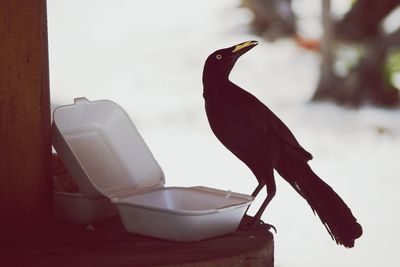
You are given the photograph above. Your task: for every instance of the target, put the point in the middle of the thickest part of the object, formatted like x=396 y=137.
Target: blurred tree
x=362 y=22
x=272 y=18
x=356 y=51
x=366 y=80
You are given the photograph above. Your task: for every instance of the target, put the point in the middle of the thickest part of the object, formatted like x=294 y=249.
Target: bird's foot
x=249 y=223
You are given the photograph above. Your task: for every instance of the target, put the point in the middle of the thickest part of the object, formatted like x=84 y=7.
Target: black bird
x=254 y=134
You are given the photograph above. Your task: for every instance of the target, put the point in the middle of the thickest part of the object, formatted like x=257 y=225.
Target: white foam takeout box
x=103 y=151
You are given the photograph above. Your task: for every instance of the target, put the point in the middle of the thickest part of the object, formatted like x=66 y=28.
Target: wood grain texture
x=25 y=150
x=109 y=245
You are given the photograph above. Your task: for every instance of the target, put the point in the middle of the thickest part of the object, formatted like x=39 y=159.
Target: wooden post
x=25 y=151
x=108 y=244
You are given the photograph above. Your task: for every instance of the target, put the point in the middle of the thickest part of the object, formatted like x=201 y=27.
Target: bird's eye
x=219 y=56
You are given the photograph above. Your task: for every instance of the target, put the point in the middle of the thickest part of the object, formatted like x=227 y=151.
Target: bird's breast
x=228 y=123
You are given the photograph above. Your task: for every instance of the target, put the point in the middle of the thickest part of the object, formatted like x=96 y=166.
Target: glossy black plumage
x=252 y=132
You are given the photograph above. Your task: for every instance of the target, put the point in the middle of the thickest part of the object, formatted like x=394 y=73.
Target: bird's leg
x=271 y=190
x=249 y=222
x=255 y=193
x=258 y=189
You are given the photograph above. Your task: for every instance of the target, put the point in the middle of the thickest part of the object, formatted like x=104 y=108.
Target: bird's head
x=220 y=63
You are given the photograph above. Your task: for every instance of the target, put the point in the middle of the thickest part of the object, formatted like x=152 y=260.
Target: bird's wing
x=265 y=120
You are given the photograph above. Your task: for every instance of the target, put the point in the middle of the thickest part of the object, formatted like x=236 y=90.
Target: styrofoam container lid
x=101 y=147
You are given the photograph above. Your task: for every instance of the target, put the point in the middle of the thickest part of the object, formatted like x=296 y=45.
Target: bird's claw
x=268 y=226
x=249 y=223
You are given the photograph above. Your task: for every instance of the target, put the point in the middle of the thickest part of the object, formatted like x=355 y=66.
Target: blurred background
x=329 y=69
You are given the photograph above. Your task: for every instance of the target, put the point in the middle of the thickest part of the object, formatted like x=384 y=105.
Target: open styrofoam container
x=103 y=151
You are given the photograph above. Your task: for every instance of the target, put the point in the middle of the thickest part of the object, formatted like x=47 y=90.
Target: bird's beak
x=244 y=47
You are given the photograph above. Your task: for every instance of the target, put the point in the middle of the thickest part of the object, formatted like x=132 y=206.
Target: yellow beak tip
x=243 y=45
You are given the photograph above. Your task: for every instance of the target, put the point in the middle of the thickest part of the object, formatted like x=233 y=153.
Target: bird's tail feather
x=323 y=200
